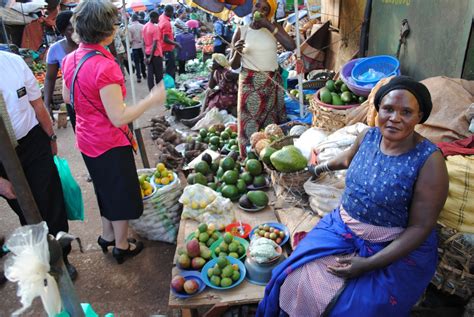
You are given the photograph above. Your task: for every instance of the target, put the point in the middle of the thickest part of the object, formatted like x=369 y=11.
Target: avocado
x=336 y=100
x=330 y=84
x=289 y=159
x=245 y=202
x=266 y=153
x=259 y=181
x=325 y=95
x=258 y=198
x=207 y=158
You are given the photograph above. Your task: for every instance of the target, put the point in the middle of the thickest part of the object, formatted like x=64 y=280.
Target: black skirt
x=116 y=185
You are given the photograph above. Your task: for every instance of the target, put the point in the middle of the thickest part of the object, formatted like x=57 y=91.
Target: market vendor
x=102 y=133
x=54 y=60
x=222 y=91
x=261 y=92
x=376 y=253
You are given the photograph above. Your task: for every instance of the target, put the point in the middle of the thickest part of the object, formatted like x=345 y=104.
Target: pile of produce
x=194 y=256
x=296 y=93
x=288 y=159
x=229 y=246
x=228 y=176
x=163 y=176
x=176 y=97
x=219 y=138
x=166 y=140
x=206 y=234
x=182 y=286
x=39 y=70
x=205 y=43
x=196 y=66
x=192 y=149
x=263 y=250
x=223 y=274
x=145 y=184
x=337 y=93
x=265 y=231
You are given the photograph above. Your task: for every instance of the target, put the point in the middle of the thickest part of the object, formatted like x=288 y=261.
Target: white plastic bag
x=310 y=139
x=28 y=265
x=214 y=116
x=325 y=193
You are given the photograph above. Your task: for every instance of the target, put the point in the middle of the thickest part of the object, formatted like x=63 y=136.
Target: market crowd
x=372 y=256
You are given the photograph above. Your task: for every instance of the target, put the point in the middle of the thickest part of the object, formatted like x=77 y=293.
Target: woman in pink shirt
x=102 y=134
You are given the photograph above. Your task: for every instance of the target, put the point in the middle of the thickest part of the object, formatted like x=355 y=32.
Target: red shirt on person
x=151 y=32
x=166 y=29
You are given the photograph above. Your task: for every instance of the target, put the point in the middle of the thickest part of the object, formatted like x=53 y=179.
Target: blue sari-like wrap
x=391 y=291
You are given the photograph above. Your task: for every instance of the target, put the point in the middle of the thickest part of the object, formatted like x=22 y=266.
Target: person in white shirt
x=136 y=41
x=36 y=140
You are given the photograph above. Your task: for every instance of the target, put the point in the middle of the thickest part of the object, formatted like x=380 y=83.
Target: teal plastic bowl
x=210 y=264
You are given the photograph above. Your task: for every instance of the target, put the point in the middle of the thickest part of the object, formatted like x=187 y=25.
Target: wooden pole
x=138 y=132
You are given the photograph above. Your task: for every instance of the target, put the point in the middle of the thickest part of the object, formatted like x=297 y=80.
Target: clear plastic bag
x=28 y=264
x=204 y=205
x=325 y=193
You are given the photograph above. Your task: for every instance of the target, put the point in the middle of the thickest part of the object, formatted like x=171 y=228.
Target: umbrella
x=222 y=9
x=139 y=5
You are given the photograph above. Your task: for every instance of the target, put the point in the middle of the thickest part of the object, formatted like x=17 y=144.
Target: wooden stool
x=62 y=119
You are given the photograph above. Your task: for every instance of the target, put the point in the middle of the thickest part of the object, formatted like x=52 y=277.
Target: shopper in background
x=168 y=43
x=154 y=54
x=36 y=147
x=54 y=60
x=219 y=29
x=136 y=42
x=180 y=26
x=102 y=134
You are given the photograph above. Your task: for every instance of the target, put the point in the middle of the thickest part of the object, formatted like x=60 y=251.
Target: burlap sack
x=451 y=100
x=458 y=211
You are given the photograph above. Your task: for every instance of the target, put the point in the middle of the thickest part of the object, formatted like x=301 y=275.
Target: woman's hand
x=239 y=46
x=263 y=23
x=349 y=267
x=158 y=94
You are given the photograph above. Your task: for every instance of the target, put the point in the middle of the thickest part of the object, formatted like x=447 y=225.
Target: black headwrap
x=419 y=90
x=63 y=20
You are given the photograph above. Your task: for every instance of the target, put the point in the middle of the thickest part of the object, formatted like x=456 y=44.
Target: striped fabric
x=309 y=289
x=6 y=120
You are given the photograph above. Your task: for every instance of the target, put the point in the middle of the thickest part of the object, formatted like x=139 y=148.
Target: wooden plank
x=297 y=219
x=330 y=10
x=245 y=293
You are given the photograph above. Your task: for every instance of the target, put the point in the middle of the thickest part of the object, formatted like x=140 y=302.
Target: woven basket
x=280 y=143
x=454 y=272
x=292 y=182
x=328 y=117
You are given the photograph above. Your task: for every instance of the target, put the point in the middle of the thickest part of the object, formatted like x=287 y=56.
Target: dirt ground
x=140 y=286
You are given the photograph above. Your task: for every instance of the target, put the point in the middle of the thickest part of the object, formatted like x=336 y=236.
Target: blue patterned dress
x=378 y=195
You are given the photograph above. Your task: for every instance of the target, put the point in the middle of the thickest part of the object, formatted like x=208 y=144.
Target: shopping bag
x=169 y=81
x=71 y=191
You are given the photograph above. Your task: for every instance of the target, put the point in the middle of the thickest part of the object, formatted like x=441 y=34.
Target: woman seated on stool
x=223 y=89
x=376 y=253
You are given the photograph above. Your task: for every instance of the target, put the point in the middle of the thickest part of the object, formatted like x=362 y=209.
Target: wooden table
x=245 y=293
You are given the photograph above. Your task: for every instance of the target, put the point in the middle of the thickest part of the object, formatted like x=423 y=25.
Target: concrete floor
x=140 y=286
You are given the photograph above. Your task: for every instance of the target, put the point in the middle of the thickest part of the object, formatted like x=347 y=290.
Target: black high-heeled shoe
x=104 y=244
x=120 y=254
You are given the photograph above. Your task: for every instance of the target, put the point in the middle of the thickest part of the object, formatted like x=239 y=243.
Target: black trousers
x=72 y=116
x=155 y=71
x=139 y=61
x=34 y=152
x=170 y=59
x=182 y=67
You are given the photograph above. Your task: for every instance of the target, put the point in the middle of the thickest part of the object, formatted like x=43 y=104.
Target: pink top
x=192 y=24
x=95 y=133
x=151 y=32
x=166 y=29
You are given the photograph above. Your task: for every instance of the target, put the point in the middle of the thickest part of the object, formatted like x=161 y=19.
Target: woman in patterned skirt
x=261 y=98
x=376 y=253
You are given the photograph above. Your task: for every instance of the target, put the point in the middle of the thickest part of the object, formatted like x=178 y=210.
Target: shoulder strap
x=81 y=62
